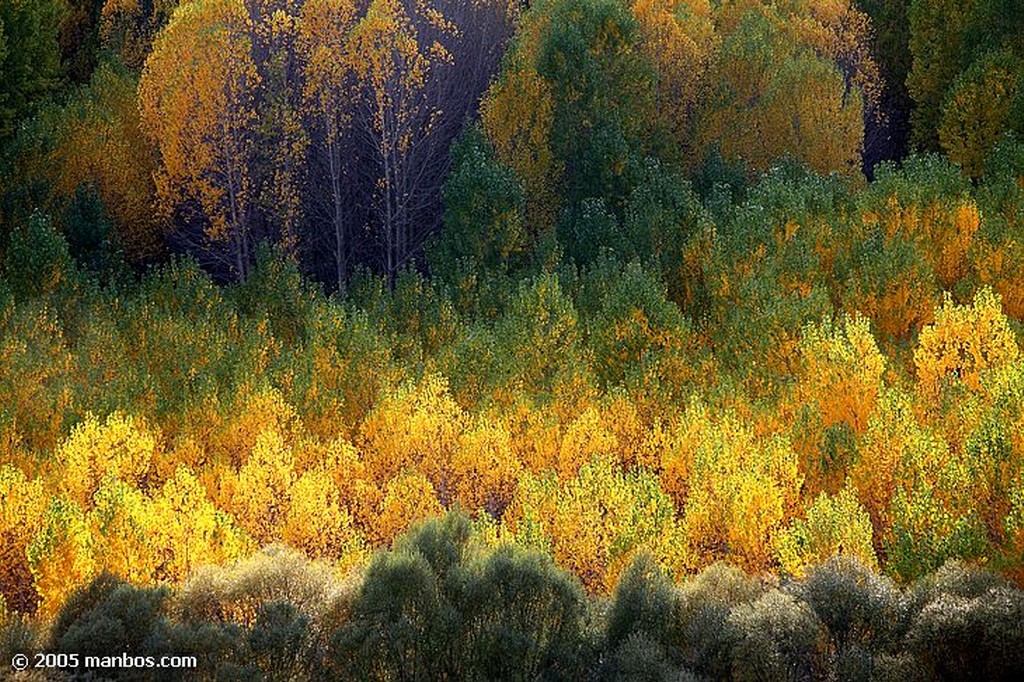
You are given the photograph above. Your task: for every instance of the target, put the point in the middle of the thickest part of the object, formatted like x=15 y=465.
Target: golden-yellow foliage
x=680 y=445
x=188 y=531
x=416 y=426
x=485 y=469
x=261 y=495
x=256 y=412
x=1001 y=267
x=318 y=523
x=119 y=524
x=197 y=99
x=842 y=371
x=518 y=114
x=101 y=144
x=680 y=40
x=60 y=555
x=944 y=230
x=586 y=436
x=594 y=523
x=408 y=498
x=835 y=524
x=119 y=447
x=896 y=453
x=963 y=342
x=741 y=489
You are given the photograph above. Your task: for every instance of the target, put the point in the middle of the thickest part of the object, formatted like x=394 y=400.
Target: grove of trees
x=473 y=339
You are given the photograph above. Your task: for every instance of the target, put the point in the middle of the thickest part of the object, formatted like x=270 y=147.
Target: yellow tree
x=328 y=95
x=518 y=114
x=260 y=498
x=899 y=459
x=119 y=447
x=198 y=102
x=963 y=342
x=414 y=426
x=680 y=39
x=485 y=468
x=419 y=75
x=841 y=33
x=734 y=487
x=408 y=498
x=60 y=555
x=842 y=371
x=835 y=524
x=284 y=140
x=100 y=143
x=187 y=530
x=775 y=96
x=596 y=522
x=393 y=68
x=119 y=526
x=318 y=523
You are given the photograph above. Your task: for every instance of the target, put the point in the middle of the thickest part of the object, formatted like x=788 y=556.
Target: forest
x=413 y=340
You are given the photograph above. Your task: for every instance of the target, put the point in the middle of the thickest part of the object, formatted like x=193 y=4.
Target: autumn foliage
x=387 y=334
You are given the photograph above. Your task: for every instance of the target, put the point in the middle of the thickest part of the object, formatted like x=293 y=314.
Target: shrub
x=280 y=640
x=436 y=607
x=643 y=603
x=238 y=592
x=524 y=618
x=640 y=659
x=108 y=618
x=401 y=625
x=778 y=638
x=707 y=635
x=861 y=609
x=958 y=637
x=640 y=625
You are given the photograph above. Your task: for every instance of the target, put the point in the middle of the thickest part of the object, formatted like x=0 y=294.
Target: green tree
x=604 y=96
x=484 y=213
x=29 y=57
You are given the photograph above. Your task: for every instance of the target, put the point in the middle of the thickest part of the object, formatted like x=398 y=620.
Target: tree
x=129 y=27
x=963 y=342
x=187 y=530
x=60 y=555
x=100 y=146
x=397 y=121
x=484 y=213
x=603 y=97
x=777 y=96
x=118 y=448
x=329 y=94
x=595 y=522
x=978 y=107
x=842 y=371
x=29 y=57
x=835 y=524
x=573 y=113
x=23 y=502
x=681 y=40
x=937 y=46
x=198 y=102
